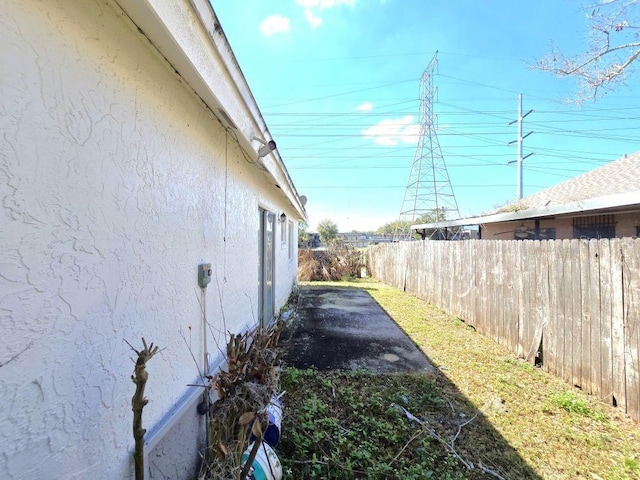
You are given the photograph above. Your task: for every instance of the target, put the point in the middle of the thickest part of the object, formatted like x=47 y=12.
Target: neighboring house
x=355 y=239
x=602 y=203
x=363 y=240
x=127 y=159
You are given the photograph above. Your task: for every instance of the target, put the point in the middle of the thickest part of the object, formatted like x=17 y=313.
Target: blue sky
x=338 y=83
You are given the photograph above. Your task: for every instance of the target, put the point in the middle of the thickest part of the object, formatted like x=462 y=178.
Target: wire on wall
x=226 y=186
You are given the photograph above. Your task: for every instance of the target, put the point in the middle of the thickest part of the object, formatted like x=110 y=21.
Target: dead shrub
x=243 y=391
x=338 y=261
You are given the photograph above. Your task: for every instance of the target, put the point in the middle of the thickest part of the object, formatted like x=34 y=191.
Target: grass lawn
x=485 y=408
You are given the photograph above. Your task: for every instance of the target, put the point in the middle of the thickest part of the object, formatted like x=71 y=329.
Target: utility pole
x=519 y=140
x=428 y=189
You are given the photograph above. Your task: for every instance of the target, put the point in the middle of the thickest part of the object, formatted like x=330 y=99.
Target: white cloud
x=390 y=132
x=319 y=5
x=365 y=107
x=314 y=21
x=275 y=24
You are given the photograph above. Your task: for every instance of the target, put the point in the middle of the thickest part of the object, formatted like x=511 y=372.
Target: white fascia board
x=588 y=206
x=188 y=35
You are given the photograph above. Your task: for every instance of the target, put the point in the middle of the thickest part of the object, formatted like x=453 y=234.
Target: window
x=595 y=226
x=290 y=240
x=530 y=234
x=283 y=232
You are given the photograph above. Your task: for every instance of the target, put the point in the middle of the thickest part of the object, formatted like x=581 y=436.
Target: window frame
x=283 y=233
x=290 y=239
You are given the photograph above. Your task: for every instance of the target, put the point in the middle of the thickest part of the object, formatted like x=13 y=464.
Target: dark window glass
x=530 y=234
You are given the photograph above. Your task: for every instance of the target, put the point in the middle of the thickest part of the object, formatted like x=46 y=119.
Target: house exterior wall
x=506 y=230
x=115 y=183
x=626 y=226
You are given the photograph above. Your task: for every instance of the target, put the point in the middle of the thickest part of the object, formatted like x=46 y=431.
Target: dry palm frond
x=243 y=390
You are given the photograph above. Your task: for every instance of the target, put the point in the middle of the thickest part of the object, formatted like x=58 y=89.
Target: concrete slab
x=345 y=328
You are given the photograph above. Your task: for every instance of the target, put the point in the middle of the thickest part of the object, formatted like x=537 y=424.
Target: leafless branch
x=419 y=433
x=610 y=54
x=138 y=402
x=450 y=445
x=184 y=338
x=460 y=427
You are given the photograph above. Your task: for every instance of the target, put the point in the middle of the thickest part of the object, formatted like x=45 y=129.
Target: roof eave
x=621 y=200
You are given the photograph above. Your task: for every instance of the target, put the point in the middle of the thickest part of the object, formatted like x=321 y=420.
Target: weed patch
x=569 y=402
x=352 y=425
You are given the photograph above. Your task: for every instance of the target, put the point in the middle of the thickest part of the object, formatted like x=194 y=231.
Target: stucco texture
x=115 y=183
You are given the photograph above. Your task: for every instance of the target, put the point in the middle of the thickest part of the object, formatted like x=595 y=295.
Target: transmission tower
x=428 y=188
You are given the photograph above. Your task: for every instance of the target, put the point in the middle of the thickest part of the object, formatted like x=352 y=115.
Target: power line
x=387 y=187
x=340 y=94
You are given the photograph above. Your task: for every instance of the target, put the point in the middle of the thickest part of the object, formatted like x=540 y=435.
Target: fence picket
x=631 y=285
x=595 y=373
x=564 y=323
x=618 y=369
x=576 y=311
x=498 y=305
x=585 y=320
x=552 y=353
x=511 y=295
x=603 y=347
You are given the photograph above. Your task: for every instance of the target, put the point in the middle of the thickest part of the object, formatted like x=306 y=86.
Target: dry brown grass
x=340 y=260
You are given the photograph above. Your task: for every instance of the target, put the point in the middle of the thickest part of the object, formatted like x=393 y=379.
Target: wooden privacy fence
x=574 y=304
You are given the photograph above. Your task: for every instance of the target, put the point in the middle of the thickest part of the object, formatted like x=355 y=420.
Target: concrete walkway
x=344 y=328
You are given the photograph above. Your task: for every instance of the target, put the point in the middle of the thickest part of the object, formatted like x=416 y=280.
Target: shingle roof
x=619 y=176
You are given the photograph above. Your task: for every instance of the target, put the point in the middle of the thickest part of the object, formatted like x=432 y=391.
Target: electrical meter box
x=204 y=274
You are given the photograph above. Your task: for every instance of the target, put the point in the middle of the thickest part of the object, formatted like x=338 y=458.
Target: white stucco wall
x=115 y=183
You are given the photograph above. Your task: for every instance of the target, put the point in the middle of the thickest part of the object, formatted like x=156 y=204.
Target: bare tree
x=613 y=47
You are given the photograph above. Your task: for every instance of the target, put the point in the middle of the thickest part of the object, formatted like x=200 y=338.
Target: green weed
x=632 y=464
x=571 y=403
x=346 y=425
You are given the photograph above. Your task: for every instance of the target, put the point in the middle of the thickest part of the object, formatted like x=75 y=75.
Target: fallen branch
x=488 y=471
x=455 y=437
x=413 y=437
x=309 y=462
x=450 y=446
